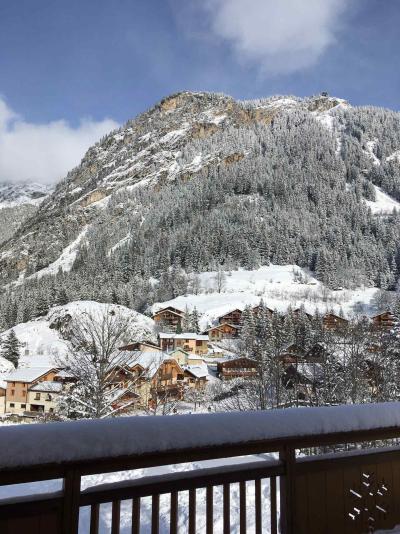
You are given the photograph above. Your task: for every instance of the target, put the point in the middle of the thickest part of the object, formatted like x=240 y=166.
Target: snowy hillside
x=383 y=204
x=279 y=286
x=13 y=195
x=44 y=339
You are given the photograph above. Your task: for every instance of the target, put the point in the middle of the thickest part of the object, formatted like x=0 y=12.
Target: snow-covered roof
x=27 y=375
x=150 y=361
x=198 y=371
x=183 y=335
x=54 y=387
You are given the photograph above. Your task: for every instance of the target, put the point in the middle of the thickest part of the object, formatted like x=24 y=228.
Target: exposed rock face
x=146 y=152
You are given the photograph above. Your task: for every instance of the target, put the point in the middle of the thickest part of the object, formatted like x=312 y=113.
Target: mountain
x=17 y=203
x=202 y=181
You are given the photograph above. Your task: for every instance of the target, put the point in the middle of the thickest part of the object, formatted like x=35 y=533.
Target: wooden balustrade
x=307 y=494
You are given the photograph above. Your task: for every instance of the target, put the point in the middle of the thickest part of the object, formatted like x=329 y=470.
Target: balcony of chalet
x=304 y=471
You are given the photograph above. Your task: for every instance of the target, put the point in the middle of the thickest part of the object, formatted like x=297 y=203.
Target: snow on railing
x=88 y=440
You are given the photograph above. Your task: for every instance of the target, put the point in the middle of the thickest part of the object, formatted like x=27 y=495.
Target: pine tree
x=10 y=348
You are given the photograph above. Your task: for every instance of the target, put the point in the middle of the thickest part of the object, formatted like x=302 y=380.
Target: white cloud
x=281 y=36
x=43 y=153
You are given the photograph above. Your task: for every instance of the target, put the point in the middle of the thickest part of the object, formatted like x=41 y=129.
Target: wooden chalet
x=299 y=311
x=223 y=331
x=169 y=379
x=169 y=316
x=331 y=321
x=316 y=354
x=125 y=401
x=291 y=353
x=384 y=321
x=237 y=368
x=196 y=376
x=256 y=310
x=233 y=317
x=188 y=341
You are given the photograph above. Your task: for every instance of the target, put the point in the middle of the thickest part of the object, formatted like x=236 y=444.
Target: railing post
x=287 y=488
x=72 y=491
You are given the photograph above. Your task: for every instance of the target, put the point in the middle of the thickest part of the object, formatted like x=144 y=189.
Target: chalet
x=233 y=317
x=189 y=342
x=305 y=377
x=223 y=331
x=384 y=321
x=331 y=321
x=3 y=389
x=169 y=316
x=237 y=368
x=19 y=382
x=196 y=376
x=166 y=341
x=180 y=355
x=298 y=311
x=124 y=401
x=42 y=397
x=169 y=379
x=142 y=346
x=256 y=310
x=291 y=353
x=316 y=354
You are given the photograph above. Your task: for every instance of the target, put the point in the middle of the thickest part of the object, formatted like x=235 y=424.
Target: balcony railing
x=323 y=493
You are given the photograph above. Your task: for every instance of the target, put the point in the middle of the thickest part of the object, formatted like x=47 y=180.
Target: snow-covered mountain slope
x=12 y=195
x=44 y=340
x=146 y=152
x=17 y=203
x=202 y=180
x=279 y=286
x=383 y=203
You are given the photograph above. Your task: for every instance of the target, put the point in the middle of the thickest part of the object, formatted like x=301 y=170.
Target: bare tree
x=99 y=370
x=220 y=280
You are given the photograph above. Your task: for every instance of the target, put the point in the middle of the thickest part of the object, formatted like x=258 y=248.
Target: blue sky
x=78 y=68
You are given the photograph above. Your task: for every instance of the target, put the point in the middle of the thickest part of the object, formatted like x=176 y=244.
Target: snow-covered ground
x=384 y=204
x=43 y=342
x=277 y=285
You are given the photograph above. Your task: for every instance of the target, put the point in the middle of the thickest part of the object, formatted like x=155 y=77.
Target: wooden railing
x=307 y=494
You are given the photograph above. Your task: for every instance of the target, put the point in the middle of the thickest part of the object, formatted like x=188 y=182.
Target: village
x=157 y=377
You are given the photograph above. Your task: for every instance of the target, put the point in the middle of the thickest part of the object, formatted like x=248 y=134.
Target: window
x=23 y=392
x=12 y=392
x=23 y=405
x=51 y=410
x=12 y=405
x=48 y=397
x=37 y=396
x=198 y=343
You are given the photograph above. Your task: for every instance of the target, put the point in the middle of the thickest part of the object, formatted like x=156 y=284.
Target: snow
x=394 y=157
x=43 y=344
x=184 y=335
x=369 y=151
x=26 y=374
x=277 y=286
x=174 y=135
x=14 y=195
x=384 y=204
x=46 y=386
x=94 y=439
x=66 y=260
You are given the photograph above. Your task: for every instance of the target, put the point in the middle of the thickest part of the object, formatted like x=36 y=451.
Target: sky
x=72 y=71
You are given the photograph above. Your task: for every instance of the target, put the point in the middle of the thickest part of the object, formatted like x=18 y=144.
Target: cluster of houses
x=229 y=324
x=178 y=363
